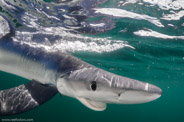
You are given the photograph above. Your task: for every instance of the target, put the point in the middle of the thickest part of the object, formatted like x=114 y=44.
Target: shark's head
x=95 y=87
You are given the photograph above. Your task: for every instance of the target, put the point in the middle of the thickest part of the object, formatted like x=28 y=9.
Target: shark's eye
x=93 y=85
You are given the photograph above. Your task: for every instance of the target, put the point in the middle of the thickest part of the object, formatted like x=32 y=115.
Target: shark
x=52 y=72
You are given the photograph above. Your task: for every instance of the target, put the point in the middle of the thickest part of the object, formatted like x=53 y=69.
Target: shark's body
x=36 y=63
x=51 y=70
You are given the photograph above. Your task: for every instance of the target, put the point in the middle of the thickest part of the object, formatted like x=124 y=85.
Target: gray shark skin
x=72 y=77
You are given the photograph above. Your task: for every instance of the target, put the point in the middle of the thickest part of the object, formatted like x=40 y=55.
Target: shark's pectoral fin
x=25 y=97
x=97 y=106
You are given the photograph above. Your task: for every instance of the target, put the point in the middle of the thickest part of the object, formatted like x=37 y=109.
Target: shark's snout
x=131 y=91
x=154 y=89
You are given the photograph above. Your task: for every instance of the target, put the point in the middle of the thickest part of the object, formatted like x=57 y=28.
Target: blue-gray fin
x=25 y=97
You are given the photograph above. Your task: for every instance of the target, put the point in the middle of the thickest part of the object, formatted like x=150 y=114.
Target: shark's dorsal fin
x=97 y=106
x=25 y=97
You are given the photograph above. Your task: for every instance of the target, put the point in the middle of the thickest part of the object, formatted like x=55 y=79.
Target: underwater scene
x=138 y=39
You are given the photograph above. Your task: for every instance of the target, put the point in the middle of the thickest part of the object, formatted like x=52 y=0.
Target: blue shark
x=51 y=72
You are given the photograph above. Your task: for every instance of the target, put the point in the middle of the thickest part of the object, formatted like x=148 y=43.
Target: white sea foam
x=174 y=7
x=122 y=3
x=170 y=25
x=162 y=4
x=151 y=33
x=174 y=16
x=75 y=43
x=167 y=4
x=97 y=25
x=66 y=41
x=127 y=14
x=5 y=4
x=4 y=27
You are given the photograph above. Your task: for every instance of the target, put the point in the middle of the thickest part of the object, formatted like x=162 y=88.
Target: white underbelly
x=26 y=68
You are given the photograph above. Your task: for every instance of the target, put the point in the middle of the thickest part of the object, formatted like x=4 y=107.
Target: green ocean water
x=154 y=59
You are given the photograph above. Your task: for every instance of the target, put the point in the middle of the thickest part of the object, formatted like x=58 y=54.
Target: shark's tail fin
x=25 y=97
